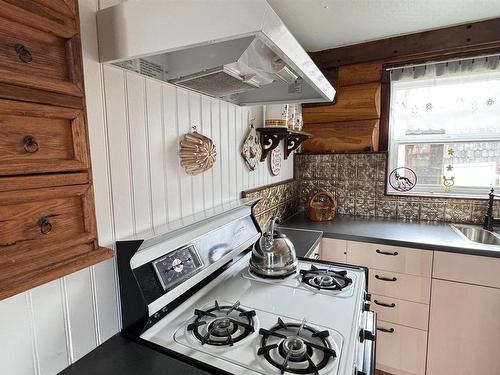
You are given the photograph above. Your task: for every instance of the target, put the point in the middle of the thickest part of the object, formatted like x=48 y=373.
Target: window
x=445 y=126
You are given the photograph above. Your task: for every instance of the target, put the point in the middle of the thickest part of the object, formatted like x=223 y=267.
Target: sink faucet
x=489 y=220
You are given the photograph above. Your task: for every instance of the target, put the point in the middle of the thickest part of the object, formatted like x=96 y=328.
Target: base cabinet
x=400 y=349
x=464 y=329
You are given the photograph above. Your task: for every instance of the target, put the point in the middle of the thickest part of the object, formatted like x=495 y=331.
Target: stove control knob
x=366 y=335
x=366 y=306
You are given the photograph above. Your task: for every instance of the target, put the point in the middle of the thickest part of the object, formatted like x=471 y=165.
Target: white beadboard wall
x=134 y=129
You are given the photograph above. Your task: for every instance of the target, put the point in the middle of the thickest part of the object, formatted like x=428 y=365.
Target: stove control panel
x=177 y=266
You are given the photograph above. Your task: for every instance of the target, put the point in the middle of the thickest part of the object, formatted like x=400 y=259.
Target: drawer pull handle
x=386 y=252
x=45 y=225
x=387 y=330
x=384 y=304
x=385 y=278
x=23 y=53
x=30 y=144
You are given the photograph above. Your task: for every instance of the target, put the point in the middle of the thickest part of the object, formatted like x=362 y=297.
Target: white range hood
x=236 y=50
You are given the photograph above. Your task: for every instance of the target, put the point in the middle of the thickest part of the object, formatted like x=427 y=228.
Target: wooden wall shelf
x=271 y=136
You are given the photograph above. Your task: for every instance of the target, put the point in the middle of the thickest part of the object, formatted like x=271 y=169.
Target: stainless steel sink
x=477 y=234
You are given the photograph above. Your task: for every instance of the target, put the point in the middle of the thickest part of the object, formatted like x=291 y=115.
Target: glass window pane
x=470 y=164
x=462 y=106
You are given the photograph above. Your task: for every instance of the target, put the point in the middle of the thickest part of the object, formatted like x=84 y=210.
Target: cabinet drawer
x=42 y=53
x=400 y=286
x=406 y=313
x=38 y=220
x=390 y=258
x=333 y=250
x=402 y=350
x=470 y=269
x=38 y=138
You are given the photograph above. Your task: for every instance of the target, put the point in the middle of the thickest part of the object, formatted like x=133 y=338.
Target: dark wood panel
x=385 y=107
x=474 y=37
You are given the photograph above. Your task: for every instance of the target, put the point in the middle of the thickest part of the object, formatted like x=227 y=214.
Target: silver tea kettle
x=274 y=254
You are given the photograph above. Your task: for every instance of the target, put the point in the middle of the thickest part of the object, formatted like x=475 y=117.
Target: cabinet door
x=463 y=330
x=333 y=250
x=39 y=48
x=40 y=138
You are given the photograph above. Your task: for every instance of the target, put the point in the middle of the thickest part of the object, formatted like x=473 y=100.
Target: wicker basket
x=321 y=206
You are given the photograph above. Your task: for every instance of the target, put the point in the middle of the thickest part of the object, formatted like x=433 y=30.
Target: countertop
x=419 y=235
x=304 y=241
x=122 y=356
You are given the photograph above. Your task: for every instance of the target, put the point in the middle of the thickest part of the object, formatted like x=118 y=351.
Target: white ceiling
x=323 y=24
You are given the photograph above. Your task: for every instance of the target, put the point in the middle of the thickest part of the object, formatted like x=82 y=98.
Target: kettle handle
x=271 y=224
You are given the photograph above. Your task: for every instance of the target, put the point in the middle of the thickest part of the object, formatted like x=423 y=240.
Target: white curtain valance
x=444 y=99
x=447 y=68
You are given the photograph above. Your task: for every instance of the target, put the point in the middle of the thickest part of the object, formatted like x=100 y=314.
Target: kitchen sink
x=477 y=234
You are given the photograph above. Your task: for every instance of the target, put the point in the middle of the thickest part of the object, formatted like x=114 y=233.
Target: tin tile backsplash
x=358 y=183
x=276 y=200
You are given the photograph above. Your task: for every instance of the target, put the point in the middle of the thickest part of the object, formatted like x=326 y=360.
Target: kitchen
x=150 y=147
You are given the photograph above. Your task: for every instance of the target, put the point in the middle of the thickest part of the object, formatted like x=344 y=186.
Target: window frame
x=423 y=190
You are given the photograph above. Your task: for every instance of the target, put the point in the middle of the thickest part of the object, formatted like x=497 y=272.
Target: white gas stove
x=230 y=320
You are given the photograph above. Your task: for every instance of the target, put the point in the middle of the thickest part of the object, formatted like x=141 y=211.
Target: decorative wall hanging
x=251 y=150
x=402 y=179
x=197 y=153
x=275 y=161
x=448 y=182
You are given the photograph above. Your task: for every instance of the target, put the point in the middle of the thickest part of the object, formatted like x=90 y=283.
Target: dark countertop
x=122 y=356
x=427 y=236
x=304 y=241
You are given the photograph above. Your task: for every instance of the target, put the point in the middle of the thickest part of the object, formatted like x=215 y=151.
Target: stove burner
x=222 y=325
x=325 y=278
x=296 y=348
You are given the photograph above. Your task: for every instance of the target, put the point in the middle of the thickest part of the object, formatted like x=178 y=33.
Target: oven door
x=367 y=348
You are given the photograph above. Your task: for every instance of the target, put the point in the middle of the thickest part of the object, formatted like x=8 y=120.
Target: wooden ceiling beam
x=471 y=38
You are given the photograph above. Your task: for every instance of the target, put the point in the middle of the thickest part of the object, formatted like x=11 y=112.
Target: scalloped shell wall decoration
x=197 y=153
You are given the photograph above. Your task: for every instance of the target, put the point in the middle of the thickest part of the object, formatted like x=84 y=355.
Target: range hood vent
x=217 y=82
x=238 y=51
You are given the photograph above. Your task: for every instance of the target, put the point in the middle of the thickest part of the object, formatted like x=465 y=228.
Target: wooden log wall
x=352 y=123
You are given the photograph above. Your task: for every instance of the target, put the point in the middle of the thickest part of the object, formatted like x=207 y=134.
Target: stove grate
x=222 y=325
x=291 y=347
x=327 y=279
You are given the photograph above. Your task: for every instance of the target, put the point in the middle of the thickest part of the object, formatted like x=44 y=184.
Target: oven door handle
x=369 y=347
